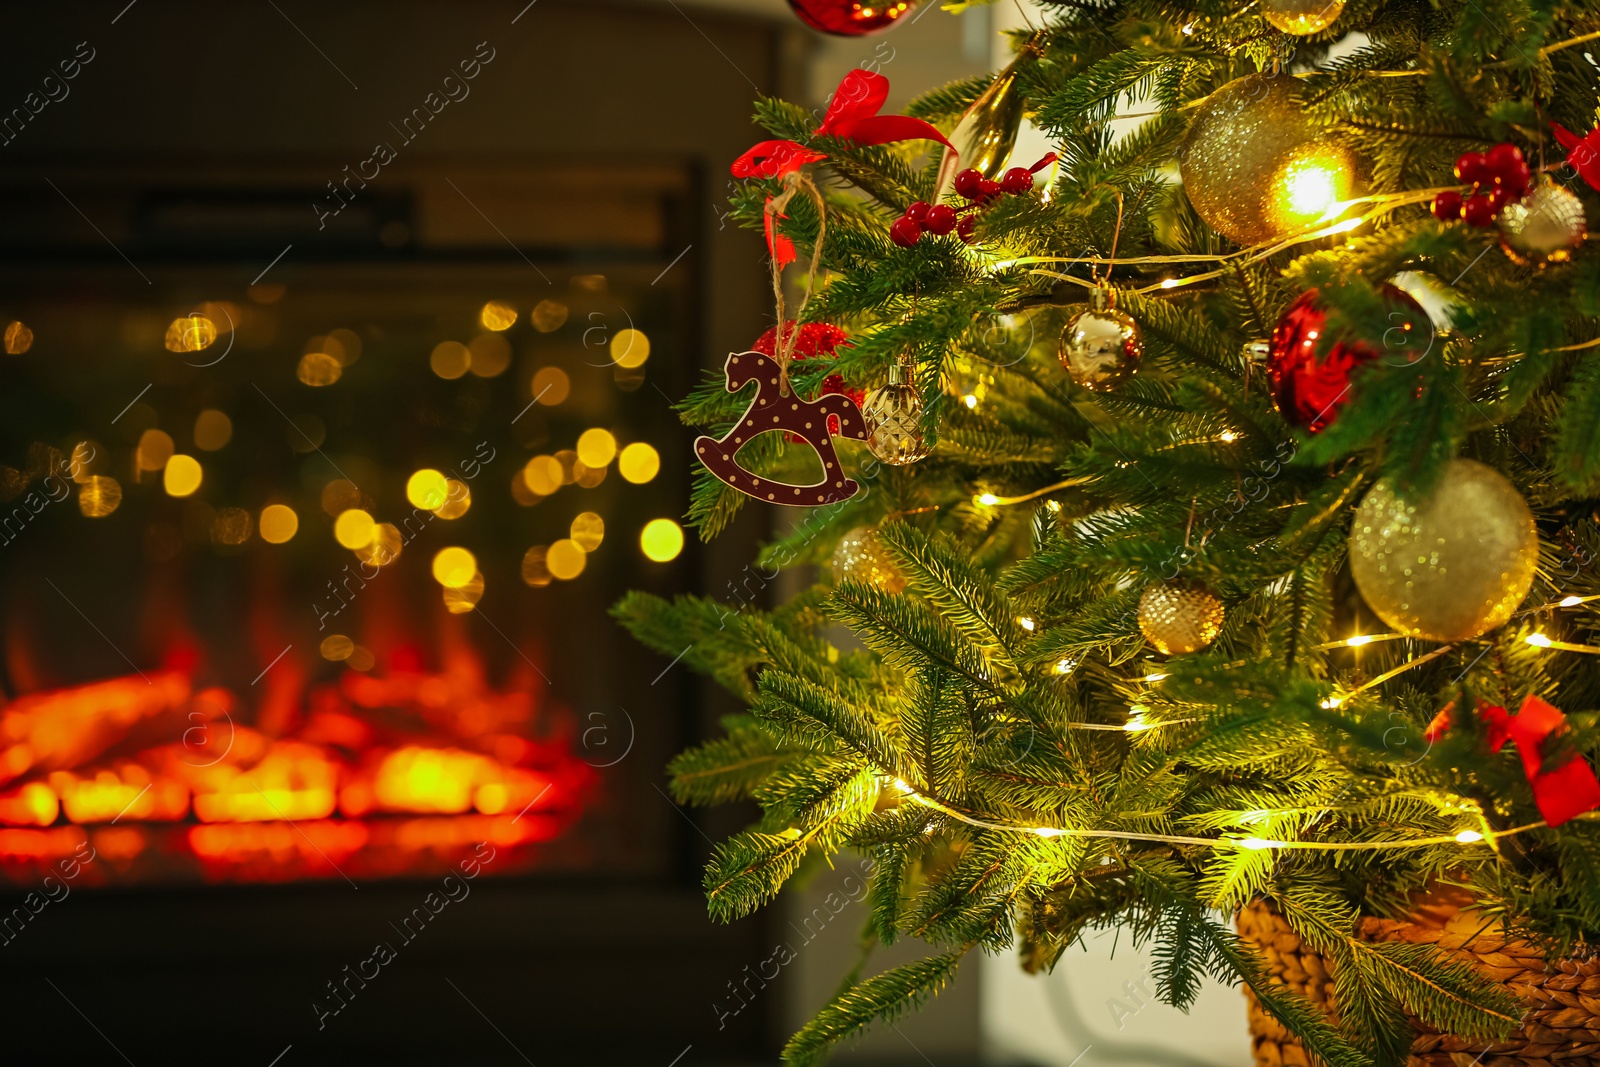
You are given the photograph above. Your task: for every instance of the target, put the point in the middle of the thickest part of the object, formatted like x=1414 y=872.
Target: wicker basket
x=1561 y=1027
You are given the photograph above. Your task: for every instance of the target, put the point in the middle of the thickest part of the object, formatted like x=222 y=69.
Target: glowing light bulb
x=427 y=489
x=1538 y=640
x=661 y=540
x=1469 y=837
x=1312 y=186
x=1026 y=623
x=1570 y=602
x=988 y=500
x=1065 y=666
x=454 y=567
x=1358 y=641
x=1259 y=843
x=1331 y=703
x=900 y=784
x=1046 y=831
x=970 y=400
x=1154 y=677
x=1229 y=436
x=1168 y=283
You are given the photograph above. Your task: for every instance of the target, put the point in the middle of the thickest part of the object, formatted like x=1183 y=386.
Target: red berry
x=968 y=183
x=1502 y=158
x=941 y=219
x=965 y=226
x=1518 y=178
x=1018 y=181
x=1470 y=168
x=989 y=190
x=1500 y=196
x=917 y=211
x=1447 y=206
x=1479 y=210
x=905 y=232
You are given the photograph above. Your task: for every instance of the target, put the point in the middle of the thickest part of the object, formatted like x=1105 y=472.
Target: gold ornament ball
x=1179 y=617
x=1301 y=17
x=893 y=415
x=1449 y=567
x=1101 y=348
x=1254 y=167
x=861 y=556
x=1543 y=228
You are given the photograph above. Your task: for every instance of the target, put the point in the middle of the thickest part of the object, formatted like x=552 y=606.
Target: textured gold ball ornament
x=893 y=414
x=1179 y=617
x=1543 y=228
x=1101 y=346
x=1254 y=166
x=1301 y=17
x=860 y=555
x=1448 y=567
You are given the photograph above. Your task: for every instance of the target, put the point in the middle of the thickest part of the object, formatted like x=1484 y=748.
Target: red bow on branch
x=1582 y=152
x=1567 y=791
x=852 y=116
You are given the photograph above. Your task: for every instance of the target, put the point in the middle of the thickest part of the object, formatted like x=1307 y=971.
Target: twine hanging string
x=793 y=183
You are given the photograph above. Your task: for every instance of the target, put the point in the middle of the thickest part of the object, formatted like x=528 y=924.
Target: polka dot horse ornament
x=772 y=410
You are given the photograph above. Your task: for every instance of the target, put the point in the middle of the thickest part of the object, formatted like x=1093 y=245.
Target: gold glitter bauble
x=1177 y=617
x=1253 y=165
x=1449 y=567
x=860 y=555
x=1301 y=17
x=893 y=414
x=1101 y=348
x=1543 y=228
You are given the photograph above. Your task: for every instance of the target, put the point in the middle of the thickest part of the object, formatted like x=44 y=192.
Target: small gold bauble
x=861 y=556
x=1301 y=17
x=1254 y=166
x=893 y=414
x=1179 y=617
x=1543 y=228
x=1101 y=348
x=1452 y=566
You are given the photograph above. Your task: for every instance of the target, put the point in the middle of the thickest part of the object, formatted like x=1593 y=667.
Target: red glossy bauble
x=1309 y=391
x=941 y=219
x=851 y=18
x=905 y=231
x=1447 y=206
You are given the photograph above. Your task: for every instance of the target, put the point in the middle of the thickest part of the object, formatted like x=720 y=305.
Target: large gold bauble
x=1101 y=348
x=861 y=556
x=1254 y=166
x=1543 y=228
x=1179 y=617
x=1301 y=17
x=893 y=414
x=1452 y=566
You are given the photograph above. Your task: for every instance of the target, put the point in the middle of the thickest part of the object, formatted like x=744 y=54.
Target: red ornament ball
x=969 y=184
x=1447 y=206
x=851 y=18
x=965 y=227
x=941 y=219
x=905 y=231
x=816 y=340
x=1310 y=391
x=1018 y=181
x=918 y=211
x=1479 y=210
x=1471 y=168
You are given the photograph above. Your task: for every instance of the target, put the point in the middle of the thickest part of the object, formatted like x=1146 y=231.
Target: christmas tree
x=1220 y=565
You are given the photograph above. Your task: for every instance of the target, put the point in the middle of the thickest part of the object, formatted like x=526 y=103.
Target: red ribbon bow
x=852 y=116
x=1582 y=152
x=1561 y=794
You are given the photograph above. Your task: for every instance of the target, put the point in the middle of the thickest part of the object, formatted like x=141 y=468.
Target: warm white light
x=1168 y=283
x=1538 y=640
x=1135 y=724
x=1331 y=703
x=1469 y=837
x=1570 y=602
x=970 y=400
x=1065 y=666
x=1026 y=623
x=1359 y=640
x=988 y=500
x=1046 y=831
x=900 y=784
x=1259 y=843
x=1154 y=677
x=1229 y=435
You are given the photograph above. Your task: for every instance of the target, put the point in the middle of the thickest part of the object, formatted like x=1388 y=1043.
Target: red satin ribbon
x=1582 y=152
x=1561 y=794
x=852 y=116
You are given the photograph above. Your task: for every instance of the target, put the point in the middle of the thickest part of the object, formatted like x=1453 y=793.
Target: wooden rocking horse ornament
x=775 y=408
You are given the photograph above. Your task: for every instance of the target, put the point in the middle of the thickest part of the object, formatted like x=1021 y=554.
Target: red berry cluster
x=1498 y=177
x=978 y=191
